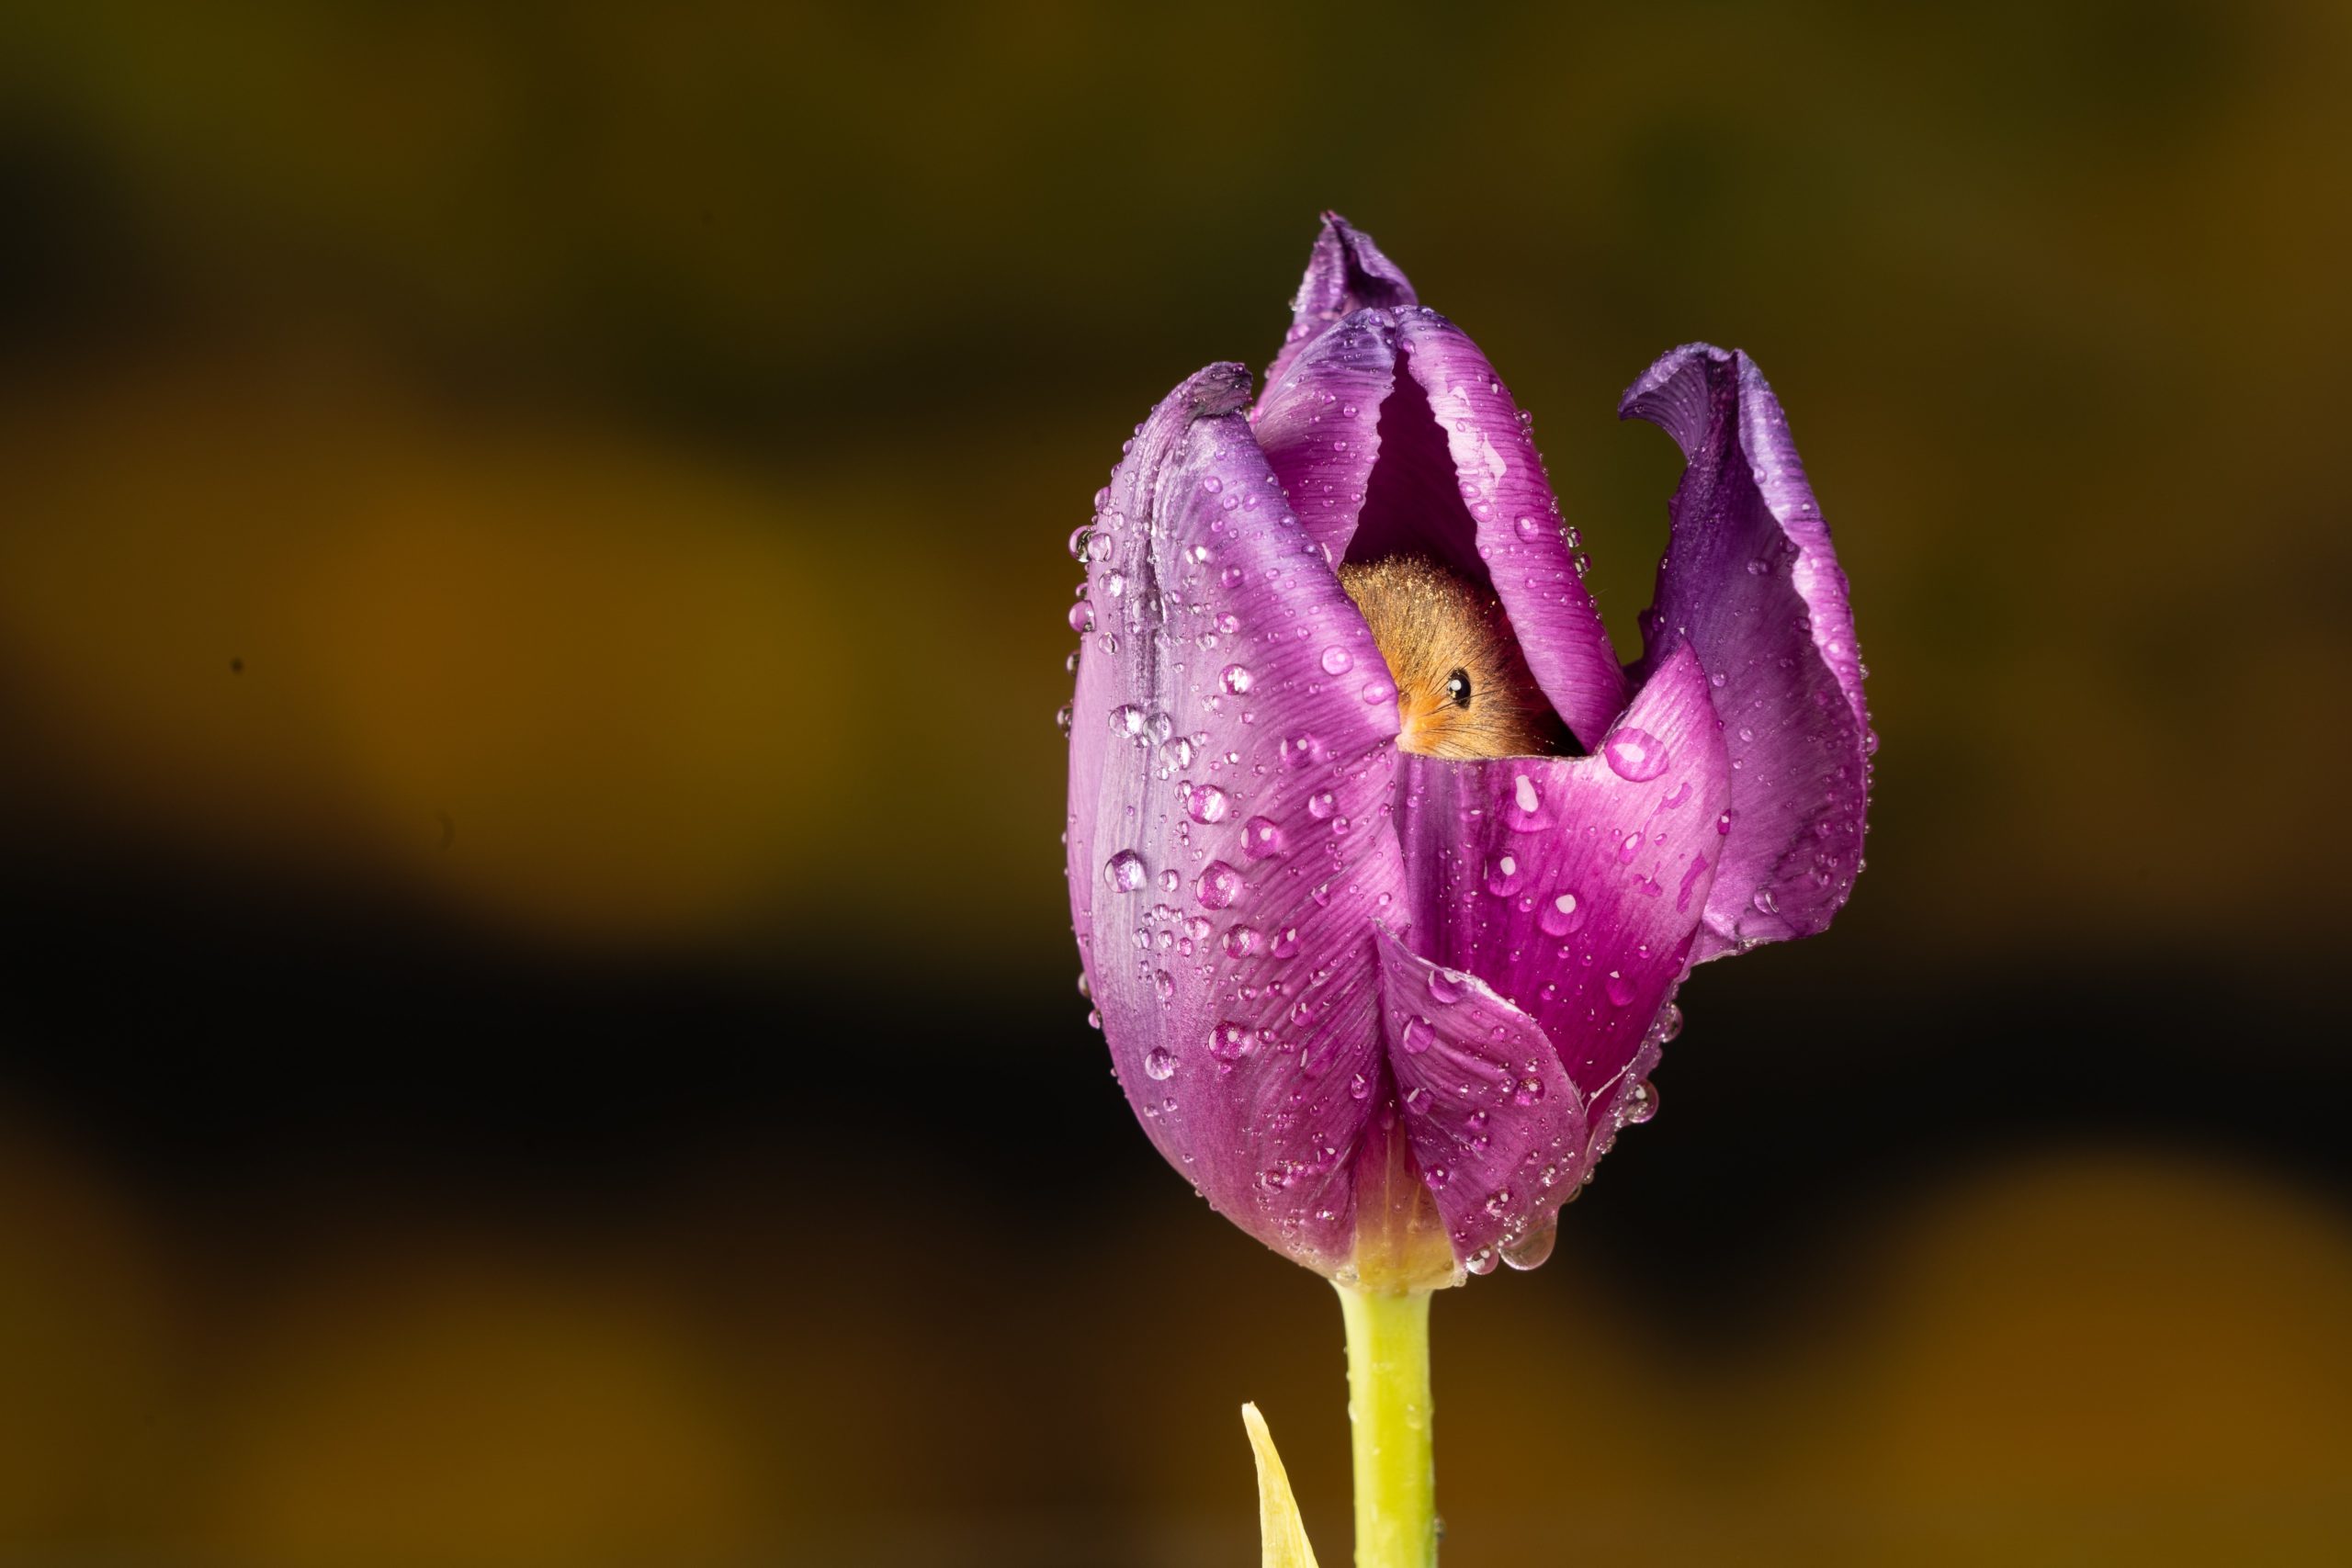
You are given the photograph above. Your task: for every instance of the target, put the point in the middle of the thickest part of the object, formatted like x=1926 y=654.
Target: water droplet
x=1217 y=886
x=1229 y=1041
x=1448 y=986
x=1639 y=1105
x=1502 y=876
x=1286 y=943
x=1634 y=755
x=1239 y=942
x=1159 y=1063
x=1078 y=541
x=1420 y=1035
x=1321 y=804
x=1081 y=617
x=1205 y=803
x=1562 y=914
x=1481 y=1261
x=1261 y=837
x=1235 y=679
x=1723 y=823
x=1336 y=662
x=1765 y=902
x=1302 y=749
x=1529 y=1250
x=1125 y=872
x=1529 y=527
x=1126 y=719
x=1619 y=990
x=1063 y=716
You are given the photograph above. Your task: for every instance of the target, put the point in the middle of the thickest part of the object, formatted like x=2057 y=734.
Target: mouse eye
x=1457 y=687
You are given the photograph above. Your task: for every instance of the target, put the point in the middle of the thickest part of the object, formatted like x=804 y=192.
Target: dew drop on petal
x=1337 y=660
x=1205 y=803
x=1235 y=679
x=1217 y=886
x=1159 y=1063
x=1123 y=871
x=1529 y=1250
x=1261 y=837
x=1560 y=914
x=1420 y=1035
x=1634 y=755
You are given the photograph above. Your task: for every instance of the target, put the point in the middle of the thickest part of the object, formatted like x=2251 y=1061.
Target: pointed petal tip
x=1282 y=1532
x=1220 y=389
x=1777 y=632
x=1345 y=273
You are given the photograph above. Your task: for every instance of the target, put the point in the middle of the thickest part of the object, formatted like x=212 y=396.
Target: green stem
x=1388 y=1407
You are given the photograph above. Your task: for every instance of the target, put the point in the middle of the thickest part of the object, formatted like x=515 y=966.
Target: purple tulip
x=1385 y=997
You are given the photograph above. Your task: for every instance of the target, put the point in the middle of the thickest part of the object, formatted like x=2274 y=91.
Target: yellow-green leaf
x=1283 y=1533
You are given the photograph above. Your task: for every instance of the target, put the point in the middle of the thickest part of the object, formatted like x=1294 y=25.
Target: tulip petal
x=1751 y=582
x=1320 y=424
x=1232 y=758
x=1345 y=273
x=1574 y=886
x=1496 y=1126
x=1437 y=462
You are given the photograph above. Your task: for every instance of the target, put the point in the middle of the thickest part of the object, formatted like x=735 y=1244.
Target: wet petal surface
x=1231 y=758
x=1574 y=886
x=1751 y=582
x=1496 y=1126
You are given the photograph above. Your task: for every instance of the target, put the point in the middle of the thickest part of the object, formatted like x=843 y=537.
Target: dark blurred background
x=536 y=1022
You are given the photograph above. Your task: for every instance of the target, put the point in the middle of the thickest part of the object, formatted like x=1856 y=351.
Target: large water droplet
x=1618 y=988
x=1125 y=872
x=1420 y=1035
x=1562 y=914
x=1530 y=1248
x=1448 y=986
x=1159 y=1063
x=1634 y=755
x=1217 y=886
x=1337 y=660
x=1262 y=836
x=1502 y=875
x=1229 y=1041
x=1205 y=803
x=1235 y=679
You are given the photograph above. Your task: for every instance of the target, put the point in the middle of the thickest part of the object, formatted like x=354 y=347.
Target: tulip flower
x=1384 y=871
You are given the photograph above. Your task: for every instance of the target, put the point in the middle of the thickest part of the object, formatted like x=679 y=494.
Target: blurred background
x=536 y=1022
